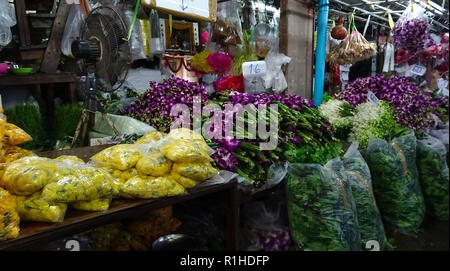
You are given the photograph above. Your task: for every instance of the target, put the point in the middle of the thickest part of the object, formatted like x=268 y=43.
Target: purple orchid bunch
x=292 y=101
x=413 y=108
x=245 y=156
x=154 y=106
x=412 y=35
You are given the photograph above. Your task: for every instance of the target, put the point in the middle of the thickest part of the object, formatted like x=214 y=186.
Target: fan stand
x=90 y=107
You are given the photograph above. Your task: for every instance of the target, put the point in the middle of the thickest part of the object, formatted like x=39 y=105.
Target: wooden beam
x=53 y=51
x=22 y=22
x=296 y=41
x=37 y=78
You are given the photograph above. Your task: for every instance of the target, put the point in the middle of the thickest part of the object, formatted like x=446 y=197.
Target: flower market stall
x=206 y=140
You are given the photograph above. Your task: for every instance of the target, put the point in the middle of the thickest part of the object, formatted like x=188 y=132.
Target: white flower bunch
x=332 y=111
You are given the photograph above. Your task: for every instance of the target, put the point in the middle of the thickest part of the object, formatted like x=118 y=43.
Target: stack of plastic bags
x=45 y=188
x=9 y=218
x=158 y=165
x=10 y=136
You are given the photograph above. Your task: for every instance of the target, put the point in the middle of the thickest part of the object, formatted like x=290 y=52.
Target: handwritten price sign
x=254 y=69
x=418 y=70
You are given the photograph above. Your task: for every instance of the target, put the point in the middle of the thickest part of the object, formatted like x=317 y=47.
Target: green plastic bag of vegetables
x=433 y=175
x=395 y=182
x=369 y=218
x=321 y=209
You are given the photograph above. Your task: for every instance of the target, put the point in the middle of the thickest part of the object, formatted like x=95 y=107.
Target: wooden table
x=33 y=234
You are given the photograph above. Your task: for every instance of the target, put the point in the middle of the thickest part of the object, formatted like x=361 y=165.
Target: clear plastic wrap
x=150 y=187
x=227 y=30
x=184 y=145
x=369 y=218
x=395 y=182
x=434 y=176
x=188 y=151
x=184 y=181
x=35 y=208
x=69 y=160
x=13 y=153
x=321 y=209
x=123 y=124
x=154 y=164
x=411 y=30
x=83 y=183
x=150 y=137
x=7 y=20
x=124 y=175
x=28 y=175
x=195 y=171
x=76 y=17
x=136 y=42
x=265 y=225
x=121 y=157
x=9 y=217
x=274 y=78
x=97 y=205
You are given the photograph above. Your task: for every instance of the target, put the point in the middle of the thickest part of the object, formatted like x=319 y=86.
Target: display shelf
x=33 y=234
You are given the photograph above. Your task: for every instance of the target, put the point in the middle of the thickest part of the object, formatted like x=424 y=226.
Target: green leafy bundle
x=321 y=209
x=395 y=180
x=66 y=120
x=369 y=218
x=310 y=155
x=28 y=117
x=434 y=176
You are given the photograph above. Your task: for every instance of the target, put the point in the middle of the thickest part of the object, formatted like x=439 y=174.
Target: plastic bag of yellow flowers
x=35 y=208
x=97 y=205
x=154 y=164
x=195 y=171
x=15 y=135
x=9 y=217
x=187 y=146
x=28 y=175
x=120 y=157
x=151 y=137
x=13 y=153
x=69 y=160
x=184 y=181
x=83 y=183
x=123 y=175
x=150 y=187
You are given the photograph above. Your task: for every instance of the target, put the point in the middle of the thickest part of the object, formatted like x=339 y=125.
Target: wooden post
x=297 y=41
x=22 y=23
x=53 y=51
x=73 y=92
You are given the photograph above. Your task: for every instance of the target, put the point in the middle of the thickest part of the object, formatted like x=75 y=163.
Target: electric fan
x=104 y=56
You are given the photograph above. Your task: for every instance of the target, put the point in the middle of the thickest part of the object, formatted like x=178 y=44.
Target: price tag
x=254 y=68
x=344 y=76
x=442 y=83
x=418 y=70
x=372 y=98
